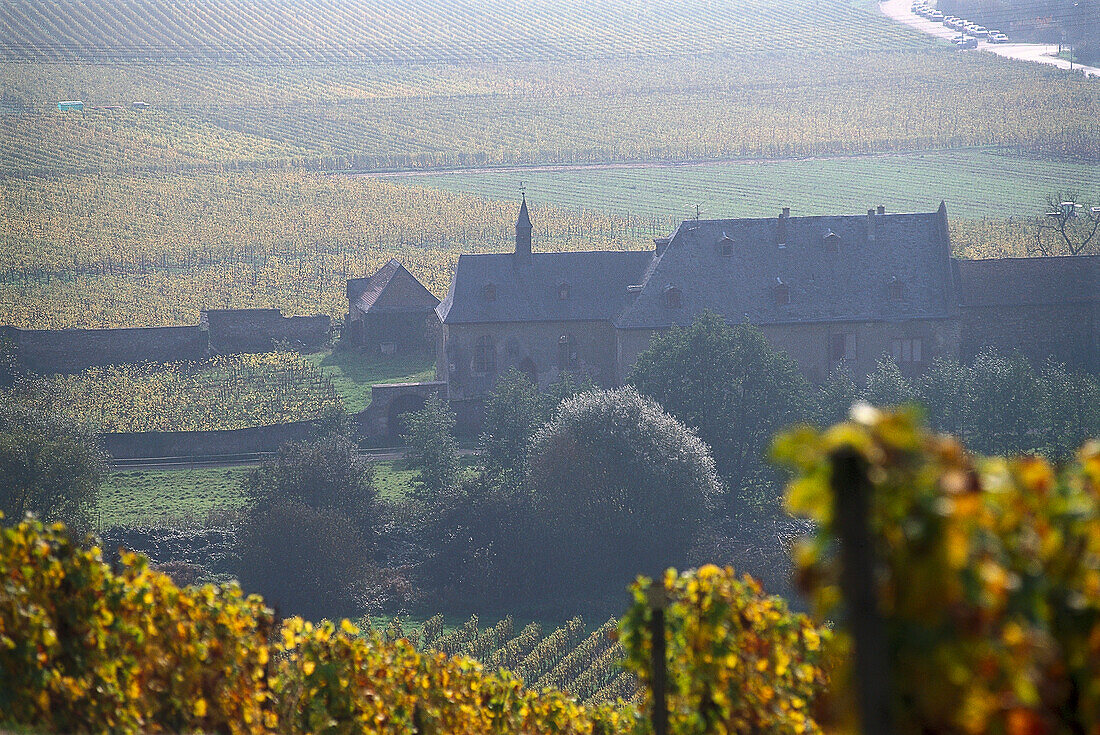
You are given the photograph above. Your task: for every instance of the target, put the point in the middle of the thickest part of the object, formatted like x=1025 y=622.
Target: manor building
x=825 y=289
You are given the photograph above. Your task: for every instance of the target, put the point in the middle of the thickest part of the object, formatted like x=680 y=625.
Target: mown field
x=195 y=495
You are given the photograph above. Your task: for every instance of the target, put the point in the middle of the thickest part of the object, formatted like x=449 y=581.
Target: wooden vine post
x=852 y=497
x=657 y=603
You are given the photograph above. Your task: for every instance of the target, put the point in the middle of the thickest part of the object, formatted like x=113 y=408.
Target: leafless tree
x=1069 y=227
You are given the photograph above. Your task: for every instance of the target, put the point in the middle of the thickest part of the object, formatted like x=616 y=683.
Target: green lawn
x=353 y=373
x=975 y=183
x=138 y=497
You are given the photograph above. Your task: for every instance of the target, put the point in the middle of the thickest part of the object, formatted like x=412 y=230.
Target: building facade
x=826 y=289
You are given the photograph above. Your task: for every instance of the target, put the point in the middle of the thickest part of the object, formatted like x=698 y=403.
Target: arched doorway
x=395 y=418
x=528 y=368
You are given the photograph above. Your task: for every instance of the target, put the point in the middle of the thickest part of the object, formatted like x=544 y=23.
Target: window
x=725 y=245
x=485 y=355
x=907 y=351
x=842 y=347
x=489 y=292
x=896 y=289
x=567 y=352
x=673 y=298
x=782 y=292
x=563 y=292
x=832 y=242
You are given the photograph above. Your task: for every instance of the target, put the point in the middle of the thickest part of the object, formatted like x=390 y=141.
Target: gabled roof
x=1029 y=281
x=852 y=283
x=527 y=289
x=390 y=289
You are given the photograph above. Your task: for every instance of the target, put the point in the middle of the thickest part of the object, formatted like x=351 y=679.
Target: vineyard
x=224 y=392
x=105 y=251
x=589 y=667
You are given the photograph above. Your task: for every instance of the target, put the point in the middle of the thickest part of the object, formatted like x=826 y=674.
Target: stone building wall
x=1068 y=333
x=532 y=347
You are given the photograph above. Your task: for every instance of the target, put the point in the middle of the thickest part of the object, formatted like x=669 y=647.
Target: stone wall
x=147 y=444
x=232 y=331
x=404 y=332
x=229 y=331
x=72 y=350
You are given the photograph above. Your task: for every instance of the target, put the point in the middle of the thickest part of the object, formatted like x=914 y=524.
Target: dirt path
x=1039 y=53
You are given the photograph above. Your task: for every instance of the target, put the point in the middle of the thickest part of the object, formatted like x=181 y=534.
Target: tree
x=886 y=386
x=433 y=451
x=48 y=466
x=946 y=391
x=834 y=397
x=1069 y=409
x=309 y=527
x=727 y=383
x=513 y=412
x=1068 y=227
x=618 y=487
x=1007 y=408
x=324 y=473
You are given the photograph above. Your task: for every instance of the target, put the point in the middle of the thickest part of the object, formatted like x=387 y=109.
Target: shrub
x=617 y=487
x=85 y=649
x=303 y=560
x=987 y=576
x=738 y=660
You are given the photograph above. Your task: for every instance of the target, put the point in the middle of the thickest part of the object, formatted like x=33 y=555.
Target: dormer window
x=489 y=292
x=832 y=242
x=782 y=292
x=896 y=289
x=673 y=297
x=725 y=245
x=563 y=292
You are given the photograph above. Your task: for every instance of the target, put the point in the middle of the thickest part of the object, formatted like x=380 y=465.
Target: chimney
x=661 y=244
x=881 y=209
x=870 y=225
x=523 y=232
x=781 y=229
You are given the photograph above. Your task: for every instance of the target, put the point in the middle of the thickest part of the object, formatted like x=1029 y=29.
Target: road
x=385 y=454
x=1039 y=53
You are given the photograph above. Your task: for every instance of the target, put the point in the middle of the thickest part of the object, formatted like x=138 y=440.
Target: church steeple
x=523 y=230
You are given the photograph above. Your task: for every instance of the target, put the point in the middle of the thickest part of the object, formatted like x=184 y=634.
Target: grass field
x=190 y=494
x=975 y=183
x=352 y=373
x=146 y=497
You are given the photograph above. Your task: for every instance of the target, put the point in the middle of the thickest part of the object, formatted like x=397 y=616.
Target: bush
x=48 y=467
x=305 y=561
x=738 y=660
x=85 y=649
x=617 y=487
x=987 y=576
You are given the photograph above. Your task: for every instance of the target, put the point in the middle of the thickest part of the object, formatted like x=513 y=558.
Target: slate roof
x=391 y=289
x=1028 y=281
x=853 y=283
x=526 y=289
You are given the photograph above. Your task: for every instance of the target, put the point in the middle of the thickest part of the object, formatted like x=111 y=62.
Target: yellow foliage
x=988 y=576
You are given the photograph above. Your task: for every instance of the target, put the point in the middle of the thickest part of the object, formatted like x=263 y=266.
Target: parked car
x=936 y=16
x=998 y=37
x=979 y=32
x=964 y=42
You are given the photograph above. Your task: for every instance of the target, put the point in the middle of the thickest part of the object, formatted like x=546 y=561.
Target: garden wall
x=151 y=444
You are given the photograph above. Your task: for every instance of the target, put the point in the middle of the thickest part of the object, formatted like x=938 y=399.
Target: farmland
x=221 y=392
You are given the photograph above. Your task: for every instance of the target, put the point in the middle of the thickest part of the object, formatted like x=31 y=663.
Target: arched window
x=485 y=355
x=673 y=298
x=567 y=352
x=563 y=292
x=896 y=289
x=489 y=292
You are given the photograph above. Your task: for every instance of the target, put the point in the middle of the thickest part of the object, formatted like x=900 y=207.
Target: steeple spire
x=523 y=229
